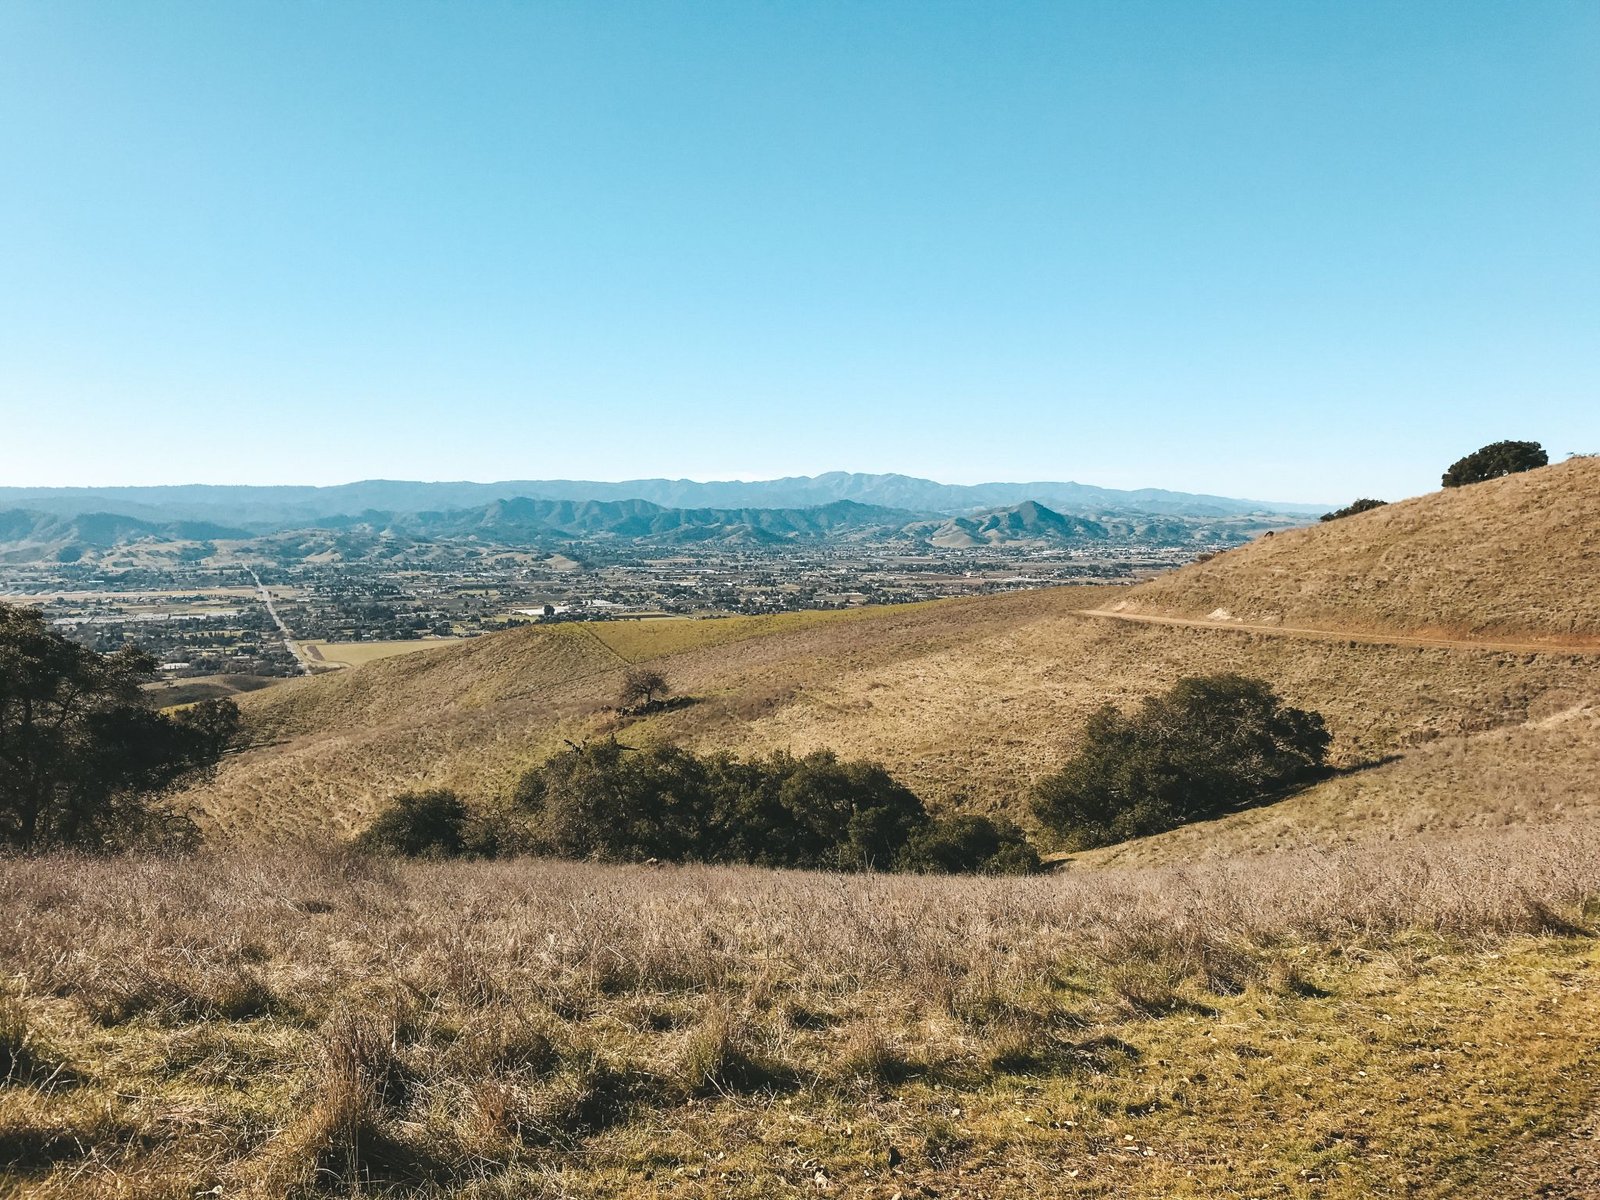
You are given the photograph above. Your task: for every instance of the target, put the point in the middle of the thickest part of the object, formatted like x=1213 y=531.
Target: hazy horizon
x=7 y=485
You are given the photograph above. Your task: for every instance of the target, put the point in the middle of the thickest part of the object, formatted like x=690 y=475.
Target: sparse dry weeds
x=310 y=1024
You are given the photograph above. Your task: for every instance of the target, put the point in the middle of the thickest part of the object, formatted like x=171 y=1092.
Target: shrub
x=598 y=801
x=605 y=802
x=641 y=687
x=1351 y=509
x=1210 y=744
x=1495 y=460
x=429 y=824
x=967 y=842
x=813 y=811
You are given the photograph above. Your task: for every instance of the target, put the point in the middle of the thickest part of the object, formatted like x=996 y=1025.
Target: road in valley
x=272 y=611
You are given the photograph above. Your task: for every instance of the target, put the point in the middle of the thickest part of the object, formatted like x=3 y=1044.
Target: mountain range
x=33 y=536
x=266 y=509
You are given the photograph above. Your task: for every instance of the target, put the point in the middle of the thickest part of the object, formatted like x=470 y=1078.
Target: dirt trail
x=1339 y=635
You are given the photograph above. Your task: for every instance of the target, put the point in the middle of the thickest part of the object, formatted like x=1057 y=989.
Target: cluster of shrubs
x=1210 y=744
x=1351 y=509
x=604 y=802
x=1488 y=462
x=1495 y=461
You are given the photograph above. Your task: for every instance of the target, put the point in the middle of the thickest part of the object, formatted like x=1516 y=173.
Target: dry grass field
x=1415 y=1021
x=1386 y=984
x=354 y=654
x=969 y=701
x=1514 y=557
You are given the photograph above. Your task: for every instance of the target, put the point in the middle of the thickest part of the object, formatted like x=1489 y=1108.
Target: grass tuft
x=26 y=1057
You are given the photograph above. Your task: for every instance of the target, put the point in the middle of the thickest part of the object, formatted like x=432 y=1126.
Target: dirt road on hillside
x=1336 y=635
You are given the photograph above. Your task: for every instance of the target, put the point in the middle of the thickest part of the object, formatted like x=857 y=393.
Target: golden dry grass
x=969 y=701
x=354 y=654
x=1514 y=557
x=1544 y=769
x=309 y=1025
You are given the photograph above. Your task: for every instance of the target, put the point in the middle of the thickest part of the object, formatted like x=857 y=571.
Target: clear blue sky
x=1288 y=250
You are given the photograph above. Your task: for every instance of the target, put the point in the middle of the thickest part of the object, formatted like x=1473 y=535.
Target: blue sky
x=1296 y=251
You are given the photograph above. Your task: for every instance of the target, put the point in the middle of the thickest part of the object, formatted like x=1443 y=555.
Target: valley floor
x=1416 y=1019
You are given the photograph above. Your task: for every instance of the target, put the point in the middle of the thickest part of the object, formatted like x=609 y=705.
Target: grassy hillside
x=1543 y=769
x=1384 y=985
x=1418 y=1021
x=1512 y=557
x=969 y=700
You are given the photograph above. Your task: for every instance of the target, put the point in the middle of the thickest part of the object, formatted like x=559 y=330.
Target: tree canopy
x=603 y=801
x=1495 y=460
x=428 y=824
x=1209 y=744
x=84 y=760
x=1354 y=507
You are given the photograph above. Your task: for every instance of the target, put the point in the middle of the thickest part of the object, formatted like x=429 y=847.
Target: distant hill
x=522 y=523
x=521 y=520
x=1031 y=523
x=31 y=536
x=1514 y=556
x=266 y=509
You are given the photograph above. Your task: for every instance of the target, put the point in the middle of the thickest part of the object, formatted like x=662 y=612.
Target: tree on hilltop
x=1351 y=509
x=84 y=759
x=1495 y=460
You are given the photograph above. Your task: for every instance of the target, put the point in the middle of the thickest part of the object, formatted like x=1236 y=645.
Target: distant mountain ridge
x=27 y=534
x=284 y=507
x=522 y=519
x=522 y=523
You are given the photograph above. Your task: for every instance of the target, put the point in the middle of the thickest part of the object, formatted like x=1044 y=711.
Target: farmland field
x=353 y=654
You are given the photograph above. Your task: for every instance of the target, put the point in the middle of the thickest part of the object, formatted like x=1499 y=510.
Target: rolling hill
x=1031 y=523
x=972 y=700
x=1514 y=557
x=26 y=535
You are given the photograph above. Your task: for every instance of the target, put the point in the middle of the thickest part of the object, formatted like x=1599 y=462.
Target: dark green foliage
x=814 y=811
x=84 y=761
x=1210 y=744
x=608 y=803
x=1350 y=510
x=967 y=842
x=1493 y=461
x=430 y=824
